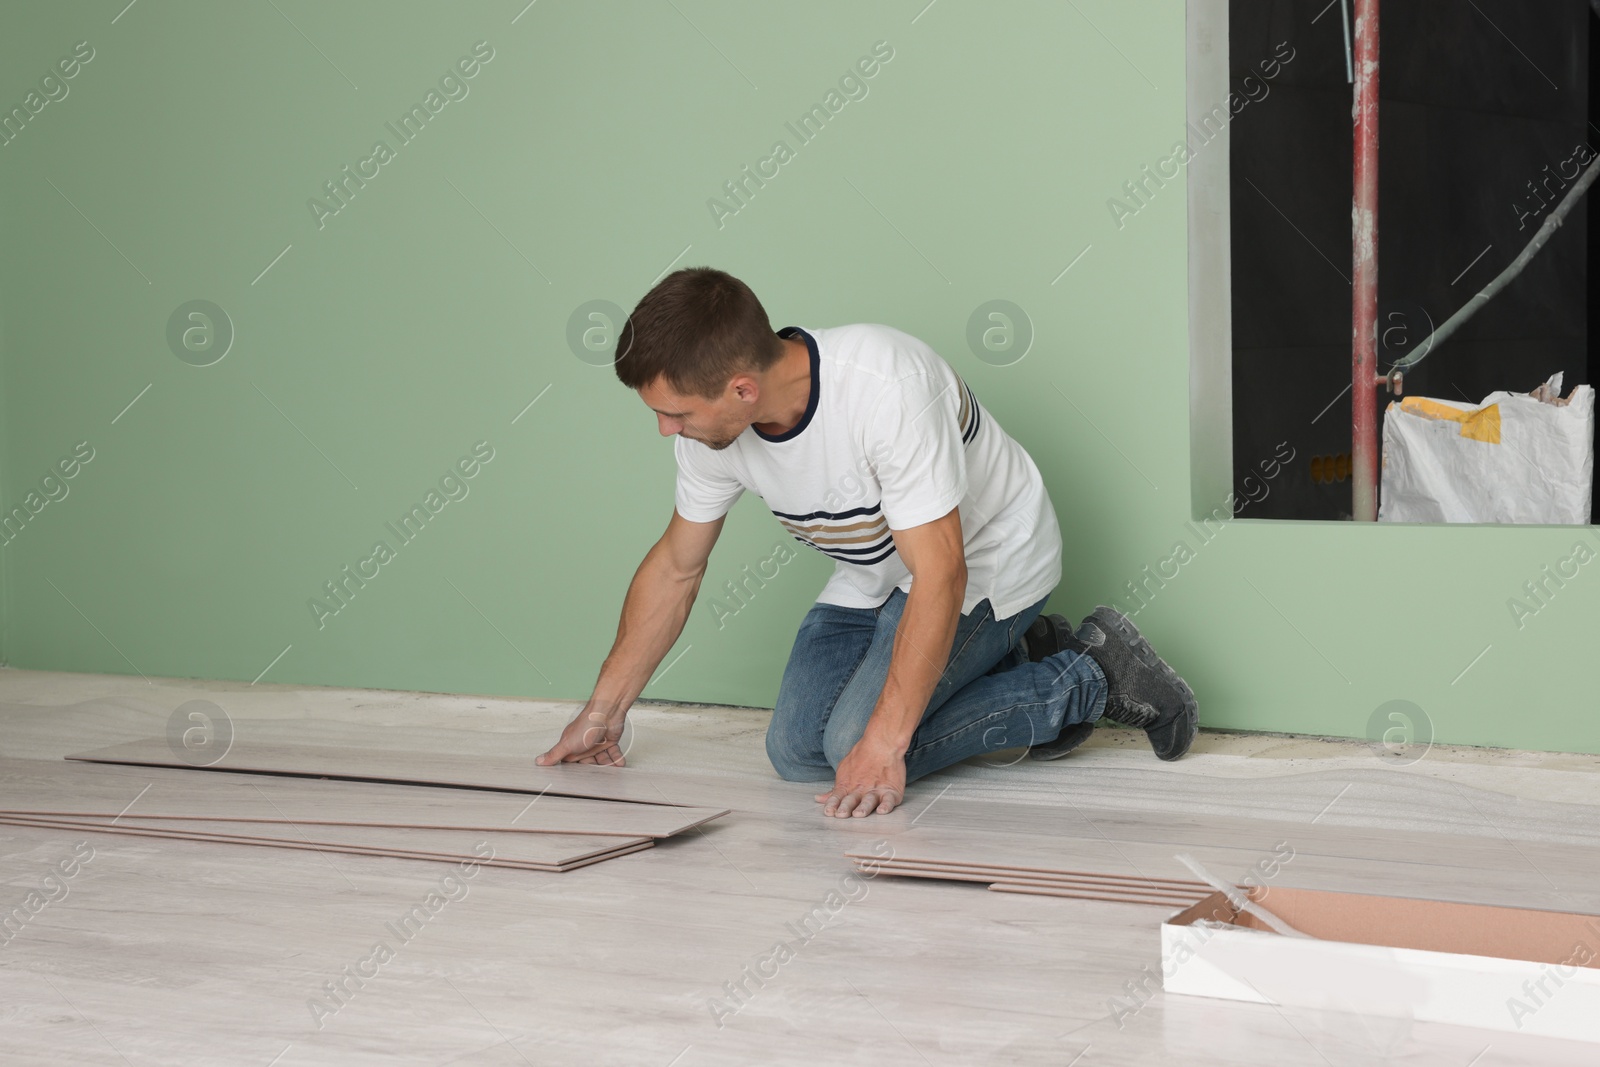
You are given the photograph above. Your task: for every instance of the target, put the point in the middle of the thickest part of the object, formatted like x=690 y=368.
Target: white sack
x=1515 y=458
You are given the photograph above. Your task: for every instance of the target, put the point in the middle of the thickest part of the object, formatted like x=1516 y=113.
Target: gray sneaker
x=1144 y=691
x=1048 y=635
x=1070 y=737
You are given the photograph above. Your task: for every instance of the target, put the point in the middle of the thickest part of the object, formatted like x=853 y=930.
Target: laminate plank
x=502 y=773
x=1154 y=884
x=100 y=790
x=1025 y=852
x=555 y=849
x=1066 y=879
x=993 y=875
x=307 y=846
x=1014 y=887
x=332 y=824
x=1099 y=892
x=1043 y=891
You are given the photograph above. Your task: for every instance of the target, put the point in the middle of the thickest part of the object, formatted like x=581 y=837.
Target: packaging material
x=1512 y=969
x=1515 y=458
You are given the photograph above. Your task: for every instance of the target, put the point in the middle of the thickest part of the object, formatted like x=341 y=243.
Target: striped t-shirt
x=891 y=438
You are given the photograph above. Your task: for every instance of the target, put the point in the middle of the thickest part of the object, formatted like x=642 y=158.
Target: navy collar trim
x=787 y=333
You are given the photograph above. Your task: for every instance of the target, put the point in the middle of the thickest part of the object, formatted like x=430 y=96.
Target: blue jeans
x=989 y=697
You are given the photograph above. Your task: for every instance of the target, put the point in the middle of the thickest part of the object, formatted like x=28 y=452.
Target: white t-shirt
x=891 y=438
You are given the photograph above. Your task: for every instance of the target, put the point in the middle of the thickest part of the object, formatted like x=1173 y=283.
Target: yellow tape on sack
x=1480 y=425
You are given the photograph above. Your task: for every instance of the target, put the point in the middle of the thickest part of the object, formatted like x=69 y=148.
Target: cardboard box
x=1513 y=969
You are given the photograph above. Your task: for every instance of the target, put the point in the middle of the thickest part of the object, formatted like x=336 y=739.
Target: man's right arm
x=653 y=615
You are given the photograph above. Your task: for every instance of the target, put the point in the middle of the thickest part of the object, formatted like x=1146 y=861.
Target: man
x=926 y=646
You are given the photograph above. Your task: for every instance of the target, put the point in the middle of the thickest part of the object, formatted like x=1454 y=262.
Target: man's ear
x=745 y=388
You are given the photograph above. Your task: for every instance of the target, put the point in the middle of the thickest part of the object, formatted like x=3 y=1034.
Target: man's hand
x=653 y=614
x=872 y=778
x=591 y=737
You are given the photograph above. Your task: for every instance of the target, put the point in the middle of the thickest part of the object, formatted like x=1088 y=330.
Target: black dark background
x=1467 y=120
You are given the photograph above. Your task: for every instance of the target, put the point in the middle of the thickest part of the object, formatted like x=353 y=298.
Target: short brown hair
x=697 y=328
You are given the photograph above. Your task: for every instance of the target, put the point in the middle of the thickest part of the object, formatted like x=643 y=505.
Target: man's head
x=695 y=349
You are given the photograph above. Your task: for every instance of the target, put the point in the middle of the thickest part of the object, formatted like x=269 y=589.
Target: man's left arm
x=873 y=776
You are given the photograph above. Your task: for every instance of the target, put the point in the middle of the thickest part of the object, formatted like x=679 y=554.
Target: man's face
x=714 y=423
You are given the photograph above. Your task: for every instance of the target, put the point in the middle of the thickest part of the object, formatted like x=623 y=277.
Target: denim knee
x=792 y=761
x=839 y=740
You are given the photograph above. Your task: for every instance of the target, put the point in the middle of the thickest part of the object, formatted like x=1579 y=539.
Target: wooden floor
x=174 y=952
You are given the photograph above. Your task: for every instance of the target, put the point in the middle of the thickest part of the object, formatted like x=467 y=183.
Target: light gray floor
x=166 y=952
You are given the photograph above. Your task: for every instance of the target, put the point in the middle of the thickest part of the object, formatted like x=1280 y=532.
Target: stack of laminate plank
x=391 y=805
x=1009 y=863
x=515 y=774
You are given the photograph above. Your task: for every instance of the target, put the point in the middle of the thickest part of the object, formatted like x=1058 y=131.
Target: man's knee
x=840 y=737
x=793 y=760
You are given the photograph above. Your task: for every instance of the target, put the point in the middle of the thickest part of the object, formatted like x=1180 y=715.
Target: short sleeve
x=915 y=436
x=705 y=491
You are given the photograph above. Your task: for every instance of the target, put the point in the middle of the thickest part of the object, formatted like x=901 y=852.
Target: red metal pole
x=1364 y=223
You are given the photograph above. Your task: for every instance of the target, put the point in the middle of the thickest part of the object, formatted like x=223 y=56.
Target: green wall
x=426 y=314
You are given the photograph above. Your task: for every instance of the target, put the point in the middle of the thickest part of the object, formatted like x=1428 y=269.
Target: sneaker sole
x=1048 y=635
x=1064 y=744
x=1115 y=620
